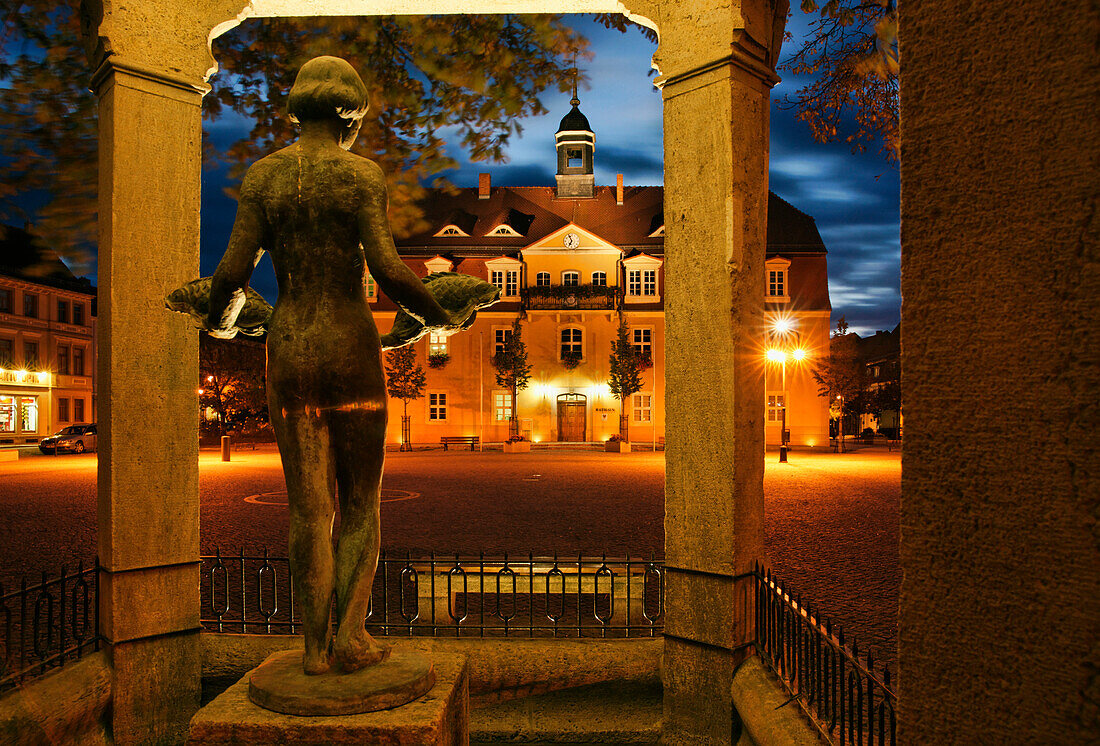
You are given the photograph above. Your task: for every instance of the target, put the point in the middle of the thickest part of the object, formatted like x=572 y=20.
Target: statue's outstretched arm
x=392 y=275
x=227 y=291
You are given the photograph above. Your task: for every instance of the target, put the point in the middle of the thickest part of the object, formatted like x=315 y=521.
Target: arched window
x=570 y=278
x=572 y=342
x=542 y=279
x=599 y=279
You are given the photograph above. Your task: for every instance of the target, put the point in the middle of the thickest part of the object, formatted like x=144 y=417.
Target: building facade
x=47 y=342
x=571 y=261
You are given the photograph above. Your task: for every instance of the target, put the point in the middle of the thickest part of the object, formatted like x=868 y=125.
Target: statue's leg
x=309 y=470
x=359 y=442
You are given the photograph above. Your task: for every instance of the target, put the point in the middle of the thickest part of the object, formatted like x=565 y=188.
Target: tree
x=851 y=55
x=841 y=376
x=233 y=383
x=625 y=373
x=513 y=372
x=405 y=381
x=476 y=76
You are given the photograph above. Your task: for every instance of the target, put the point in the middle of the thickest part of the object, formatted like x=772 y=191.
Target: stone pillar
x=148 y=512
x=1000 y=509
x=716 y=196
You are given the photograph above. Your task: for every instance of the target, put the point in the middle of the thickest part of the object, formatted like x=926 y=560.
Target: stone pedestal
x=439 y=718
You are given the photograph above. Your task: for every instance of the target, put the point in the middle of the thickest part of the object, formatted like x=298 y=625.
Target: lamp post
x=780 y=356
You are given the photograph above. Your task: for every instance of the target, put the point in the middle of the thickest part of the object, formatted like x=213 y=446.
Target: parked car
x=75 y=438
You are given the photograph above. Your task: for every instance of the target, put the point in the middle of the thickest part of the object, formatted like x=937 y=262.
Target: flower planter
x=616 y=446
x=522 y=446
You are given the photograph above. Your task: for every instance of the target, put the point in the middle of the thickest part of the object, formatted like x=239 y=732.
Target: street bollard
x=225 y=448
x=782 y=454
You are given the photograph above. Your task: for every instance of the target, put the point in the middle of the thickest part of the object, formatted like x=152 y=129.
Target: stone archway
x=152 y=58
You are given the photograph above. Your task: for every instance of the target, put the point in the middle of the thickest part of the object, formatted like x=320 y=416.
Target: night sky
x=853 y=198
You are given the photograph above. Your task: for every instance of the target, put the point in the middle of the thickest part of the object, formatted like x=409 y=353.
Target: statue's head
x=329 y=88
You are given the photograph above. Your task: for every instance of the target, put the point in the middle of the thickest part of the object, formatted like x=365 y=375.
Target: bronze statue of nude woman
x=321 y=213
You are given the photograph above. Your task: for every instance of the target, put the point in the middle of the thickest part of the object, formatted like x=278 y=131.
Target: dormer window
x=641 y=282
x=659 y=232
x=451 y=230
x=502 y=230
x=438 y=264
x=507 y=281
x=542 y=279
x=642 y=279
x=777 y=280
x=570 y=278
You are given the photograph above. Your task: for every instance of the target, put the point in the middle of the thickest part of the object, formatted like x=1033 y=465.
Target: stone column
x=148 y=510
x=716 y=196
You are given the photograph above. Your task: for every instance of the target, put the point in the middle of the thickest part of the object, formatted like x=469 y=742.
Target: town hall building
x=571 y=260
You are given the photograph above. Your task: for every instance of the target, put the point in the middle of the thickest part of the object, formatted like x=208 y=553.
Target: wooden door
x=572 y=418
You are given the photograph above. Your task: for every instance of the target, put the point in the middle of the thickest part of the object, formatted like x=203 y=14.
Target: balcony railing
x=571 y=298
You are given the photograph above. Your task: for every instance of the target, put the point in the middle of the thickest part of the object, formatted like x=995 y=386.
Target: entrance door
x=572 y=417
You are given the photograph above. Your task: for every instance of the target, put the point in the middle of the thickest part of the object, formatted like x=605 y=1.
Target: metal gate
x=572 y=417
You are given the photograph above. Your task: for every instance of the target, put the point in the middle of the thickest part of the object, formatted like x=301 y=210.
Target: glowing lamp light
x=798 y=354
x=200 y=392
x=43 y=377
x=776 y=356
x=210 y=379
x=782 y=326
x=21 y=374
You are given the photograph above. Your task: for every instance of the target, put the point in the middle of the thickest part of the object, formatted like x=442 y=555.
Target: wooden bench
x=450 y=440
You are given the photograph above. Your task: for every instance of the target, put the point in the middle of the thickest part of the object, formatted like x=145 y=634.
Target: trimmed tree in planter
x=513 y=370
x=405 y=381
x=625 y=377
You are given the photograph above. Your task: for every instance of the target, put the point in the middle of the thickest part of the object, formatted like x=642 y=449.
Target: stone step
x=606 y=714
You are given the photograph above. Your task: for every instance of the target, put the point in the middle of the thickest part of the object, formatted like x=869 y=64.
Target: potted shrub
x=517 y=444
x=616 y=444
x=438 y=359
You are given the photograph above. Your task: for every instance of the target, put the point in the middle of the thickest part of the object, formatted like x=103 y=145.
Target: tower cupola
x=576 y=144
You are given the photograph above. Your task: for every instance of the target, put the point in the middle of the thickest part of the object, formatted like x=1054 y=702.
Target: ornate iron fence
x=453 y=596
x=845 y=697
x=46 y=624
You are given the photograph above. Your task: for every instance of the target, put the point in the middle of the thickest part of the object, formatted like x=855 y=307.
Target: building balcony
x=571 y=298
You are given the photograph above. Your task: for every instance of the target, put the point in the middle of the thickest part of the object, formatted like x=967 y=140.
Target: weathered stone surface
x=767 y=714
x=155 y=689
x=280 y=684
x=440 y=717
x=66 y=707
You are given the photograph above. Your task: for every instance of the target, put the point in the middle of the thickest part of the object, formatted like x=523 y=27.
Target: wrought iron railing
x=453 y=596
x=844 y=695
x=46 y=624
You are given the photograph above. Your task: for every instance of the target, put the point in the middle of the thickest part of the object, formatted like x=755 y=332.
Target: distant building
x=571 y=260
x=47 y=341
x=881 y=355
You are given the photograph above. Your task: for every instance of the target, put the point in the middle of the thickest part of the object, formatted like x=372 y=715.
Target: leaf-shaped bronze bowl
x=460 y=295
x=194 y=300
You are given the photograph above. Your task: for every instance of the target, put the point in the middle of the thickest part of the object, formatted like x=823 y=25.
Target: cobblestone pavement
x=831 y=519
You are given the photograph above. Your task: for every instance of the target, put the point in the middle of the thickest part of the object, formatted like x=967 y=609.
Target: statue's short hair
x=326 y=88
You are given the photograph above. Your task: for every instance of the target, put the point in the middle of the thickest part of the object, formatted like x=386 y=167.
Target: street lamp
x=775 y=355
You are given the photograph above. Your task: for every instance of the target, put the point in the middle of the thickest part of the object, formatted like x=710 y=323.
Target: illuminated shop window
x=643 y=407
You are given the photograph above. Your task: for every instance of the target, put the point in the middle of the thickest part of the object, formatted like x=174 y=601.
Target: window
x=63 y=311
x=643 y=407
x=5 y=353
x=500 y=338
x=5 y=301
x=570 y=279
x=28 y=413
x=776 y=405
x=599 y=279
x=371 y=286
x=542 y=279
x=503 y=230
x=437 y=344
x=62 y=410
x=30 y=355
x=574 y=159
x=642 y=282
x=7 y=414
x=643 y=341
x=777 y=282
x=78 y=314
x=63 y=360
x=452 y=230
x=78 y=410
x=502 y=406
x=78 y=361
x=507 y=281
x=437 y=407
x=30 y=305
x=572 y=342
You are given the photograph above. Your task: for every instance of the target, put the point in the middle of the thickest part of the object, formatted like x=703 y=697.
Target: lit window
x=777 y=282
x=502 y=406
x=542 y=279
x=437 y=407
x=643 y=407
x=570 y=279
x=437 y=344
x=28 y=413
x=371 y=286
x=500 y=338
x=599 y=279
x=776 y=404
x=643 y=341
x=572 y=342
x=507 y=281
x=7 y=414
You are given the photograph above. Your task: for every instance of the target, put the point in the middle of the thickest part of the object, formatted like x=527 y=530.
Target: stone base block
x=439 y=718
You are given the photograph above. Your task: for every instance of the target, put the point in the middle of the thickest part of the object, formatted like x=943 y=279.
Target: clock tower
x=576 y=144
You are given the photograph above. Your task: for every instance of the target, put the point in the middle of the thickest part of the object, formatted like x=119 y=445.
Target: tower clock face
x=572 y=240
